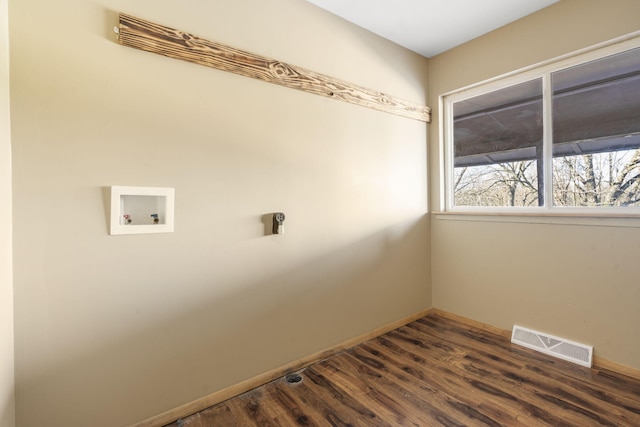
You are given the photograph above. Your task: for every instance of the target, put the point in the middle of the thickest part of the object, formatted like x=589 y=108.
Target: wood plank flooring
x=436 y=372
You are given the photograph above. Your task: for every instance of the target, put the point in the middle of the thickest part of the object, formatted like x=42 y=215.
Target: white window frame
x=543 y=71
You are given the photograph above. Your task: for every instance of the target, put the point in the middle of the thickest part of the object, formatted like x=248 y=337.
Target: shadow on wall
x=221 y=342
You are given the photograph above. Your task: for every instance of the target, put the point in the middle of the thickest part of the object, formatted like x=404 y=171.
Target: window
x=564 y=137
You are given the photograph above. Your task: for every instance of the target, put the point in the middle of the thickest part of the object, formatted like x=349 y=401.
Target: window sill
x=593 y=219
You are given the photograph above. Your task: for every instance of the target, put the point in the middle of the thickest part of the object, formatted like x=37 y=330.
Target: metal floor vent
x=559 y=347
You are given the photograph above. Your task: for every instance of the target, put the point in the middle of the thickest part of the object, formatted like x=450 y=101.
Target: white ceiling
x=430 y=27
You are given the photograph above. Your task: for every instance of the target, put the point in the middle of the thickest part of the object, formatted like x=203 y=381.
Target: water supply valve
x=278 y=220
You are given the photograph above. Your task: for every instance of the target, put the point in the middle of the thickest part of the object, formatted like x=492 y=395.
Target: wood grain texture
x=150 y=37
x=472 y=323
x=252 y=383
x=436 y=371
x=600 y=363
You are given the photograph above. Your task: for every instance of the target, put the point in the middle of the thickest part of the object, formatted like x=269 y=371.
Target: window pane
x=596 y=132
x=499 y=184
x=600 y=179
x=497 y=142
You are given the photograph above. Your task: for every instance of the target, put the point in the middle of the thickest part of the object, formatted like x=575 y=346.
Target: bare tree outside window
x=502 y=184
x=590 y=180
x=595 y=180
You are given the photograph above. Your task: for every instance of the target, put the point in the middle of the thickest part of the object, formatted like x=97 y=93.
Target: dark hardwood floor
x=436 y=372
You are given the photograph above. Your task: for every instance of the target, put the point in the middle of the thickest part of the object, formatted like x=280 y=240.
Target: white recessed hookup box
x=141 y=210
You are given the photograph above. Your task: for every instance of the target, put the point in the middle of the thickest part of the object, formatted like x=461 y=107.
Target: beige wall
x=114 y=329
x=7 y=404
x=570 y=278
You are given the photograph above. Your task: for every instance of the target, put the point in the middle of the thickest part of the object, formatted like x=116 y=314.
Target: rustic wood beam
x=150 y=37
